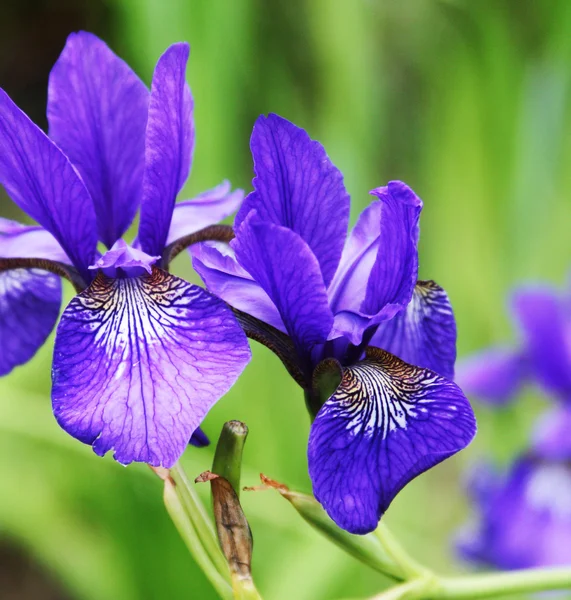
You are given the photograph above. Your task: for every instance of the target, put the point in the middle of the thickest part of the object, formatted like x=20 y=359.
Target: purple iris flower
x=140 y=355
x=543 y=317
x=496 y=375
x=525 y=515
x=372 y=347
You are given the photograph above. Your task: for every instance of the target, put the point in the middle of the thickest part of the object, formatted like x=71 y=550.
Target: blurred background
x=468 y=102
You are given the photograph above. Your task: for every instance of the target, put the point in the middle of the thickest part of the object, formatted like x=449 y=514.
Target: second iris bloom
x=351 y=307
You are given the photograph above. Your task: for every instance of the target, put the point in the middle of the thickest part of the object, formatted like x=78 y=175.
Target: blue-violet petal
x=43 y=183
x=424 y=334
x=168 y=147
x=216 y=264
x=139 y=361
x=97 y=113
x=545 y=321
x=30 y=300
x=494 y=376
x=205 y=209
x=282 y=263
x=386 y=423
x=297 y=186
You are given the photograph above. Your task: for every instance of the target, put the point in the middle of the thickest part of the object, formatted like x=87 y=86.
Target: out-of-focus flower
x=543 y=316
x=329 y=304
x=524 y=515
x=140 y=355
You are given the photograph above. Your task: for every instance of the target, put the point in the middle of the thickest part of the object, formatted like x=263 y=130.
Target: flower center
x=123 y=260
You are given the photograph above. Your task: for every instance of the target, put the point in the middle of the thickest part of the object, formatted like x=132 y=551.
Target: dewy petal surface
x=386 y=423
x=97 y=112
x=545 y=321
x=28 y=241
x=297 y=186
x=216 y=264
x=30 y=300
x=494 y=375
x=283 y=264
x=424 y=334
x=206 y=209
x=138 y=362
x=43 y=183
x=168 y=147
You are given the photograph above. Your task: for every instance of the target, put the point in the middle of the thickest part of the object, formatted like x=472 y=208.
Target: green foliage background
x=469 y=103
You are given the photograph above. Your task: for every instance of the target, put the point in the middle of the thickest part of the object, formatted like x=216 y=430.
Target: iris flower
x=140 y=355
x=524 y=515
x=372 y=347
x=543 y=357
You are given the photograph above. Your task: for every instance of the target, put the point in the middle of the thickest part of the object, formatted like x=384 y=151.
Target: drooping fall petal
x=386 y=423
x=139 y=361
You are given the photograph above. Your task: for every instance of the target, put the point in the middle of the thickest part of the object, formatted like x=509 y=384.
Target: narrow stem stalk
x=473 y=587
x=494 y=585
x=179 y=515
x=244 y=589
x=415 y=588
x=200 y=518
x=411 y=569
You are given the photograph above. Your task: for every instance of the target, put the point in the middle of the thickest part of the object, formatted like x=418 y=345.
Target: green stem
x=410 y=568
x=415 y=588
x=179 y=514
x=502 y=584
x=200 y=519
x=244 y=589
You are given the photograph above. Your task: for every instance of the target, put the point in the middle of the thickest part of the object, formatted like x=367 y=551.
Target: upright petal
x=97 y=111
x=494 y=375
x=379 y=266
x=349 y=286
x=298 y=187
x=395 y=271
x=25 y=241
x=43 y=183
x=216 y=264
x=386 y=423
x=206 y=209
x=545 y=321
x=284 y=266
x=138 y=362
x=424 y=334
x=168 y=147
x=29 y=306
